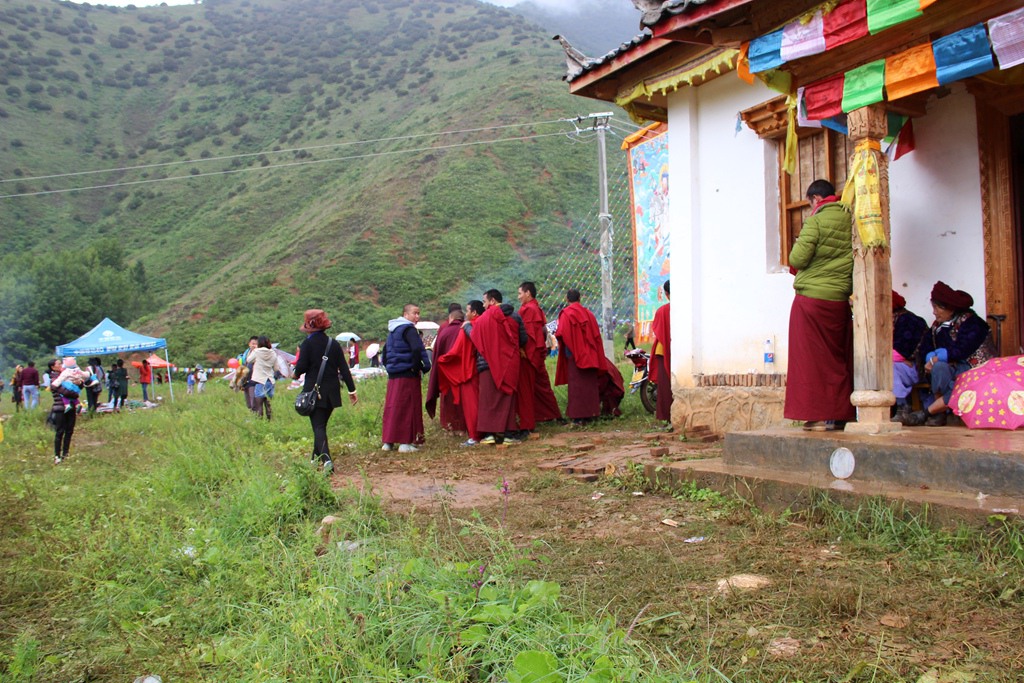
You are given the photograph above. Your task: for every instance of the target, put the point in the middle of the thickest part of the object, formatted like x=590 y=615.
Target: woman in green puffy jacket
x=819 y=379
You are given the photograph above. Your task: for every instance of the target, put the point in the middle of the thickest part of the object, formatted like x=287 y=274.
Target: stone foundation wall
x=728 y=408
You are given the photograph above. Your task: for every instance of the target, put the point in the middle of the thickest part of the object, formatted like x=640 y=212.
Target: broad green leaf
x=534 y=666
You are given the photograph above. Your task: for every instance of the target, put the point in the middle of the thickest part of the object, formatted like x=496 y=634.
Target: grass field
x=183 y=541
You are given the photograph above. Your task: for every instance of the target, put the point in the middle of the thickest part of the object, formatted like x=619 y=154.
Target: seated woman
x=908 y=329
x=957 y=341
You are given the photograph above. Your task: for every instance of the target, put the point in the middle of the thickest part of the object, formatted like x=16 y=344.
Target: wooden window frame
x=769 y=121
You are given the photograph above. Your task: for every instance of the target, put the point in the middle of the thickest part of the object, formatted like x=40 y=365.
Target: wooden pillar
x=872 y=298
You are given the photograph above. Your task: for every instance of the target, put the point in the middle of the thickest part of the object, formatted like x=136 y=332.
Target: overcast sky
x=554 y=5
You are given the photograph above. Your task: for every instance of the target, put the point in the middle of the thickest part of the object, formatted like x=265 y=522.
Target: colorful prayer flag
x=864 y=85
x=801 y=39
x=962 y=54
x=883 y=14
x=743 y=64
x=837 y=123
x=766 y=52
x=801 y=112
x=778 y=80
x=909 y=72
x=1007 y=36
x=847 y=22
x=824 y=99
x=905 y=142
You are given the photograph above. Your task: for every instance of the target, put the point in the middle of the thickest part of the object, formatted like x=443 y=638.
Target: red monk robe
x=580 y=360
x=612 y=390
x=496 y=338
x=545 y=406
x=661 y=361
x=451 y=417
x=458 y=376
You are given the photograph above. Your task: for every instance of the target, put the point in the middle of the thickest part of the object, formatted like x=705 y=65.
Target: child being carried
x=68 y=384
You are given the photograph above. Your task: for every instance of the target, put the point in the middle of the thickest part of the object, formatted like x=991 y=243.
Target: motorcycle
x=641 y=381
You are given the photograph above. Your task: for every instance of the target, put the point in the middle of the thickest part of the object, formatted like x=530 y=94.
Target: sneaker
x=469 y=442
x=936 y=420
x=57 y=460
x=386 y=447
x=407 y=448
x=511 y=439
x=328 y=467
x=815 y=426
x=488 y=440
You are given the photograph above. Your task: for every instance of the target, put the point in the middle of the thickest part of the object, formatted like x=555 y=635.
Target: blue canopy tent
x=108 y=337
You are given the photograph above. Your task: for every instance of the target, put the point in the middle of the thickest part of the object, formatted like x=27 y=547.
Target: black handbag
x=305 y=402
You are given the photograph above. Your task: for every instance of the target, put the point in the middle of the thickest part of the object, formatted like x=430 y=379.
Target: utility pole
x=600 y=125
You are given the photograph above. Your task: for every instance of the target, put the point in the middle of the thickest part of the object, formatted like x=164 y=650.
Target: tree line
x=55 y=297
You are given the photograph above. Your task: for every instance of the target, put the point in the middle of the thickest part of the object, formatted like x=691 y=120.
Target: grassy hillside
x=234 y=173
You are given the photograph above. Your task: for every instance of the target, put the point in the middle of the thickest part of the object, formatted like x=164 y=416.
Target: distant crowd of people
x=69 y=384
x=487 y=373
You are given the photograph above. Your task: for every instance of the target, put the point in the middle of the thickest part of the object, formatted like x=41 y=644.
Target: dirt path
x=759 y=598
x=472 y=477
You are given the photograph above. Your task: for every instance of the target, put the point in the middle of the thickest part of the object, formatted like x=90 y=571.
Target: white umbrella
x=348 y=336
x=427 y=325
x=372 y=350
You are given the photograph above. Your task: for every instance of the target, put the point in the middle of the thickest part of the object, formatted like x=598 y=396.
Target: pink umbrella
x=991 y=396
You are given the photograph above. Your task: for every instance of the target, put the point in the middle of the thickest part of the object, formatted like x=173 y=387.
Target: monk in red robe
x=661 y=358
x=611 y=390
x=495 y=335
x=580 y=359
x=451 y=416
x=545 y=406
x=458 y=374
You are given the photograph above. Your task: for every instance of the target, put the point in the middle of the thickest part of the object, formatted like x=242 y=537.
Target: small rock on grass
x=741 y=582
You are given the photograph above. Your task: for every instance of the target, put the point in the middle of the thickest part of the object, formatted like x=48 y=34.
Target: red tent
x=155 y=361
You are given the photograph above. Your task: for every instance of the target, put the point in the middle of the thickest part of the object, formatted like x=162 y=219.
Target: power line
x=280 y=151
x=271 y=167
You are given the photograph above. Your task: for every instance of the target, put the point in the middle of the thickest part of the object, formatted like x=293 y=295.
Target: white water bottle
x=769 y=357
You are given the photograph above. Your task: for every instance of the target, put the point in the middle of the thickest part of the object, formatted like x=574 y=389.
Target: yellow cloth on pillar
x=863 y=194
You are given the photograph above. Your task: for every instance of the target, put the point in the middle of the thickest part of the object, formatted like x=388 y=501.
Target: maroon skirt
x=450 y=415
x=496 y=410
x=403 y=411
x=545 y=405
x=663 y=409
x=819 y=380
x=524 y=396
x=584 y=392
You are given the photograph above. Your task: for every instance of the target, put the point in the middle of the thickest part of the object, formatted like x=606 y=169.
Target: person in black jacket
x=405 y=359
x=957 y=341
x=311 y=353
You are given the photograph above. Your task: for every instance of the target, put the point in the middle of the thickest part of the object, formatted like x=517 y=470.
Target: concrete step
x=775 y=490
x=952 y=459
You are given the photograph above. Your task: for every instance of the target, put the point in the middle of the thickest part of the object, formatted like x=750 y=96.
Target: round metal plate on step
x=841 y=463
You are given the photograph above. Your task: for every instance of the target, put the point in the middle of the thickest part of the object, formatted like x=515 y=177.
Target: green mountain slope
x=237 y=187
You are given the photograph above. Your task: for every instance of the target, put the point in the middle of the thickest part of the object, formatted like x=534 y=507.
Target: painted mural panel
x=648 y=184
